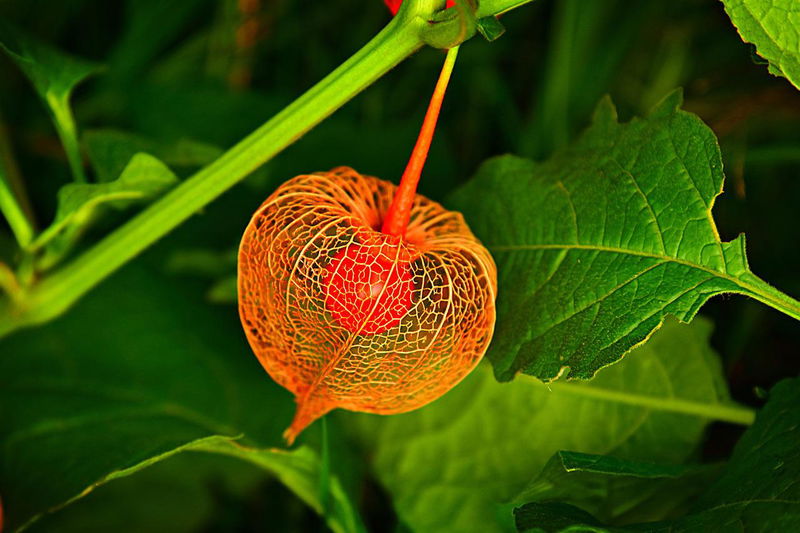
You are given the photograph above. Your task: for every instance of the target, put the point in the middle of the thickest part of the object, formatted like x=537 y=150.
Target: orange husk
x=283 y=289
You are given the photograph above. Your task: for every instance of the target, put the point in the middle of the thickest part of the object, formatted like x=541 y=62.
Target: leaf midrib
x=787 y=305
x=729 y=412
x=123 y=395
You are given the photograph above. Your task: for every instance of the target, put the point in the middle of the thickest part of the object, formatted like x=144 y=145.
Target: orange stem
x=399 y=212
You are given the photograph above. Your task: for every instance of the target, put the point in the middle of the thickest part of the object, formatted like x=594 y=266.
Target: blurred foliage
x=457 y=464
x=183 y=79
x=757 y=492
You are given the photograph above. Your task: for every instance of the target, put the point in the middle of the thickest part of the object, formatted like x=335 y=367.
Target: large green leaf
x=54 y=76
x=178 y=495
x=141 y=370
x=759 y=490
x=598 y=244
x=452 y=465
x=143 y=178
x=618 y=490
x=773 y=26
x=557 y=517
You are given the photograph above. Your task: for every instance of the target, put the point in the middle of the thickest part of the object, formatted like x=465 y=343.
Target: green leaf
x=556 y=517
x=773 y=26
x=455 y=464
x=143 y=179
x=598 y=244
x=300 y=470
x=203 y=262
x=759 y=490
x=142 y=370
x=224 y=291
x=490 y=28
x=110 y=151
x=54 y=76
x=179 y=495
x=498 y=7
x=218 y=265
x=617 y=490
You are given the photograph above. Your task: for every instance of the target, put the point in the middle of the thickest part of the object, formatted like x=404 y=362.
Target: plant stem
x=13 y=201
x=9 y=283
x=68 y=133
x=399 y=212
x=325 y=470
x=767 y=294
x=54 y=294
x=12 y=210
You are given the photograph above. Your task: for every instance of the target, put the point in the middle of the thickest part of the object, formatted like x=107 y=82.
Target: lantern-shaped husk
x=299 y=258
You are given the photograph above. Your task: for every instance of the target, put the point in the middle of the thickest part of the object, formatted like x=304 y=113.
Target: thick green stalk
x=55 y=293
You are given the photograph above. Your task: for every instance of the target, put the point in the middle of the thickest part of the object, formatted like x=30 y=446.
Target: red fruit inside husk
x=368 y=290
x=394 y=5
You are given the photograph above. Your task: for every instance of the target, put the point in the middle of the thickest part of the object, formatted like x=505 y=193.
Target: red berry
x=369 y=288
x=394 y=5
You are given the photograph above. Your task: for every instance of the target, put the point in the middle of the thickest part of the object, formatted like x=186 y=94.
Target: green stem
x=9 y=283
x=767 y=294
x=12 y=210
x=733 y=413
x=325 y=470
x=56 y=293
x=14 y=202
x=68 y=133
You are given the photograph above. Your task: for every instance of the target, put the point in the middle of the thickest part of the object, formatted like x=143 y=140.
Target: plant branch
x=13 y=201
x=67 y=131
x=12 y=210
x=9 y=283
